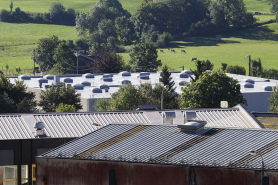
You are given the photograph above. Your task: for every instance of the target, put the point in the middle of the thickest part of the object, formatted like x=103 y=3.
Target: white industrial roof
x=61 y=125
x=117 y=78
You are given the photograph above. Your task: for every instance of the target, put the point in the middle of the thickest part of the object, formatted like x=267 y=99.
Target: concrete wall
x=258 y=101
x=86 y=172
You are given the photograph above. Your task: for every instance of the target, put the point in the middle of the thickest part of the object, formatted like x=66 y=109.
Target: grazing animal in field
x=194 y=59
x=161 y=51
x=183 y=51
x=172 y=50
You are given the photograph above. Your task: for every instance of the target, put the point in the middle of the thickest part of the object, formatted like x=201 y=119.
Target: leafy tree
x=143 y=57
x=230 y=13
x=63 y=56
x=270 y=73
x=55 y=95
x=224 y=66
x=236 y=70
x=166 y=79
x=273 y=100
x=44 y=52
x=257 y=68
x=201 y=67
x=129 y=97
x=57 y=13
x=65 y=108
x=210 y=89
x=14 y=98
x=107 y=61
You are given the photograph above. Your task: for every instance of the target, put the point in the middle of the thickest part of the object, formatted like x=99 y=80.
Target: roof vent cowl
x=192 y=126
x=39 y=127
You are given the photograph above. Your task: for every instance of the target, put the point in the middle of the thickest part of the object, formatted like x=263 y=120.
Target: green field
x=259 y=42
x=78 y=5
x=18 y=40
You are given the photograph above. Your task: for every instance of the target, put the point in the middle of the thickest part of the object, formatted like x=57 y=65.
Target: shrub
x=236 y=70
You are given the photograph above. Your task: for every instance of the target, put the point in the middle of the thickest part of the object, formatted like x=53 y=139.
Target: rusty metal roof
x=14 y=127
x=224 y=147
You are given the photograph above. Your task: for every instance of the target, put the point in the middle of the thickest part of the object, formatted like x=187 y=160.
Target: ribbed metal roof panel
x=14 y=127
x=227 y=118
x=224 y=147
x=79 y=124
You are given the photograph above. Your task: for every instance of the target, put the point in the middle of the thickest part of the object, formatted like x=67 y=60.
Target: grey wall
x=258 y=101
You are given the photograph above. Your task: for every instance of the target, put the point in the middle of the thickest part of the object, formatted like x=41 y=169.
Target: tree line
x=57 y=15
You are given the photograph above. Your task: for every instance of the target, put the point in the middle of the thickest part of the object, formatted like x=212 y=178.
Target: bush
x=5 y=15
x=65 y=108
x=236 y=70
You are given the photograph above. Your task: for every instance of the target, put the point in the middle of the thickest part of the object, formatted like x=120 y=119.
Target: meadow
x=18 y=40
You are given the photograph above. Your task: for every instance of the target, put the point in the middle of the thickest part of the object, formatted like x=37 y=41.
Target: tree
x=14 y=98
x=224 y=66
x=143 y=57
x=201 y=67
x=230 y=13
x=210 y=89
x=273 y=100
x=55 y=95
x=236 y=70
x=257 y=68
x=129 y=97
x=166 y=79
x=65 y=108
x=57 y=13
x=107 y=61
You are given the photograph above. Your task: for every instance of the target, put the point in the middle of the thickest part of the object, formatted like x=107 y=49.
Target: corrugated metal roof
x=225 y=147
x=76 y=125
x=14 y=127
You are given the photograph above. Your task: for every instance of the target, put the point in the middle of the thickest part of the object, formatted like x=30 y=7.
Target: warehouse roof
x=113 y=81
x=60 y=125
x=167 y=144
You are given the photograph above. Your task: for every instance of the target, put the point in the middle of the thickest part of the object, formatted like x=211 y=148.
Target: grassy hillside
x=85 y=5
x=78 y=5
x=18 y=40
x=259 y=42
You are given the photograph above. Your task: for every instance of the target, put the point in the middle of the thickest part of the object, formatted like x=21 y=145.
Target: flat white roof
x=97 y=81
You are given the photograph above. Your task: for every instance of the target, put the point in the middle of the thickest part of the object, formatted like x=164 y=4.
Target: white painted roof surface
x=14 y=127
x=153 y=79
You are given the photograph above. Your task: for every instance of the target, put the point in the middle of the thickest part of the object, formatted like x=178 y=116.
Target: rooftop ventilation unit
x=42 y=80
x=107 y=79
x=144 y=74
x=189 y=115
x=24 y=77
x=182 y=83
x=107 y=75
x=125 y=73
x=125 y=82
x=39 y=127
x=88 y=75
x=56 y=80
x=248 y=85
x=224 y=104
x=68 y=85
x=104 y=86
x=86 y=83
x=187 y=72
x=147 y=77
x=78 y=86
x=49 y=77
x=193 y=126
x=249 y=81
x=97 y=90
x=147 y=107
x=267 y=88
x=68 y=80
x=46 y=86
x=168 y=117
x=184 y=75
